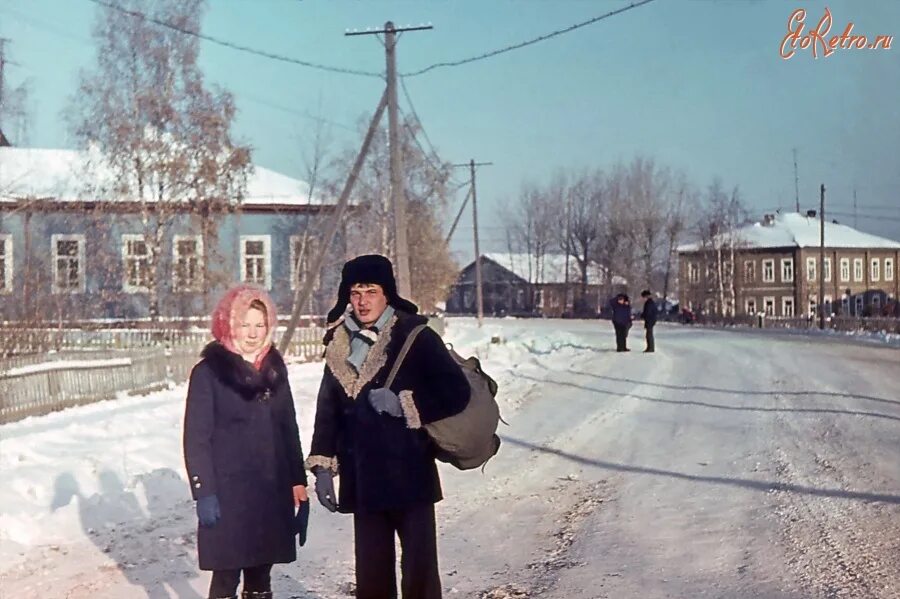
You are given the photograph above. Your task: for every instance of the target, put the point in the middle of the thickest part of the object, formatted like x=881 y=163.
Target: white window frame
x=312 y=242
x=267 y=257
x=875 y=269
x=693 y=272
x=197 y=284
x=785 y=302
x=827 y=268
x=858 y=270
x=54 y=239
x=766 y=301
x=749 y=271
x=845 y=270
x=845 y=305
x=813 y=304
x=768 y=271
x=829 y=304
x=811 y=269
x=888 y=269
x=127 y=287
x=747 y=304
x=787 y=270
x=8 y=263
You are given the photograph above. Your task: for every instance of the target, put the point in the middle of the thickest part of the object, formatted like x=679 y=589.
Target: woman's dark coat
x=241 y=443
x=384 y=462
x=621 y=313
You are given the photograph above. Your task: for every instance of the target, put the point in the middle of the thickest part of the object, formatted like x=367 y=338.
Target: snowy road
x=725 y=465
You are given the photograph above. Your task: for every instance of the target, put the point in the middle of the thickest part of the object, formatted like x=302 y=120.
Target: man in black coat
x=621 y=319
x=372 y=437
x=649 y=314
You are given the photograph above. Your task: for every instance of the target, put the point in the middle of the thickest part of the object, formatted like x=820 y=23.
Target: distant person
x=242 y=450
x=649 y=314
x=621 y=318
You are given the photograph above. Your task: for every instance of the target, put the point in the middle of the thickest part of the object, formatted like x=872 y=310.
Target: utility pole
x=822 y=257
x=855 y=224
x=479 y=296
x=398 y=194
x=3 y=41
x=796 y=183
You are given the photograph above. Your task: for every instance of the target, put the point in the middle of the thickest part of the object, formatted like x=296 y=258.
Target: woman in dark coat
x=242 y=449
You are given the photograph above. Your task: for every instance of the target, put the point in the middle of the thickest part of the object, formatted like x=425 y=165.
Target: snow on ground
x=72 y=471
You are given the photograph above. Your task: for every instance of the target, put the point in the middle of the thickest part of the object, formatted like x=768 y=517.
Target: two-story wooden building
x=66 y=255
x=777 y=268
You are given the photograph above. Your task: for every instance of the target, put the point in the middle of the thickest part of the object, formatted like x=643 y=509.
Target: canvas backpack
x=469 y=439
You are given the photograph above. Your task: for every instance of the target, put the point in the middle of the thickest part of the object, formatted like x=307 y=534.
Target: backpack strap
x=402 y=355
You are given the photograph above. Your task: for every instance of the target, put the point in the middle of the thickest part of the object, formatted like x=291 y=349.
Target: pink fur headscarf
x=231 y=311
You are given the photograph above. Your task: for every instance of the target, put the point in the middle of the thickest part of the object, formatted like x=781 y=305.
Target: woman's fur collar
x=240 y=375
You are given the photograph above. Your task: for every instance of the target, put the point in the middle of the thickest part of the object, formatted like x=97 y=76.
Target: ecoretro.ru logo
x=817 y=40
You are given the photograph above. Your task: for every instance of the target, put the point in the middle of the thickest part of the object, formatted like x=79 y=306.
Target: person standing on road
x=621 y=318
x=650 y=313
x=373 y=436
x=242 y=450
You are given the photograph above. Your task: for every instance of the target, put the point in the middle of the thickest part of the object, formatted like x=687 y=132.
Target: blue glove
x=208 y=511
x=301 y=521
x=386 y=401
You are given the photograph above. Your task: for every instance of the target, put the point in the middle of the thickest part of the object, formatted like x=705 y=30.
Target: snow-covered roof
x=73 y=175
x=794 y=230
x=550 y=269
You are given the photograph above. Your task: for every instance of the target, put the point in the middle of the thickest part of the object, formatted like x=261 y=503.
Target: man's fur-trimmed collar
x=338 y=350
x=240 y=375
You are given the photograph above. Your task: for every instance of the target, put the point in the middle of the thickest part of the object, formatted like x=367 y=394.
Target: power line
x=237 y=47
x=541 y=38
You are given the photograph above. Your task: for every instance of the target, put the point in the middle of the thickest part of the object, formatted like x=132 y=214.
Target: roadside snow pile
x=71 y=473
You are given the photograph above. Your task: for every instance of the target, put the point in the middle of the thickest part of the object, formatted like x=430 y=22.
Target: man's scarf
x=361 y=340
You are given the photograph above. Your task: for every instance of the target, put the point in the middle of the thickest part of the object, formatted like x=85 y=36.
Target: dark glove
x=301 y=521
x=208 y=511
x=386 y=401
x=325 y=489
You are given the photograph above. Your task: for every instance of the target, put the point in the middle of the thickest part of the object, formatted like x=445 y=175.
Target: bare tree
x=160 y=133
x=718 y=230
x=583 y=229
x=681 y=198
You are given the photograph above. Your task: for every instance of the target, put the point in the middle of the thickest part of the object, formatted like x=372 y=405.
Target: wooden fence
x=835 y=323
x=36 y=384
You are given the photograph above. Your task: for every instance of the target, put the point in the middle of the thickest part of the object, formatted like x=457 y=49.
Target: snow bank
x=96 y=466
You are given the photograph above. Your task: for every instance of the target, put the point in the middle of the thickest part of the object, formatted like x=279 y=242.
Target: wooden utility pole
x=398 y=194
x=305 y=290
x=796 y=183
x=822 y=257
x=479 y=296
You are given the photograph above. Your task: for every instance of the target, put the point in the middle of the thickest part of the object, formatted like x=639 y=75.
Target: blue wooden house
x=68 y=257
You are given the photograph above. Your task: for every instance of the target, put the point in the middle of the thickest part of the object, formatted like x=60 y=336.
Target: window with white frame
x=845 y=305
x=303 y=253
x=810 y=269
x=769 y=306
x=749 y=271
x=860 y=302
x=845 y=270
x=787 y=306
x=136 y=263
x=875 y=270
x=768 y=271
x=787 y=270
x=256 y=260
x=813 y=305
x=828 y=305
x=187 y=263
x=750 y=306
x=67 y=252
x=827 y=269
x=693 y=272
x=888 y=269
x=857 y=269
x=6 y=263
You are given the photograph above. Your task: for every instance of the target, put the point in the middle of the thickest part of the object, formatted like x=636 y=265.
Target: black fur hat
x=375 y=270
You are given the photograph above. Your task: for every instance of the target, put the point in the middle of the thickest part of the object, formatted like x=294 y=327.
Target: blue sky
x=696 y=85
